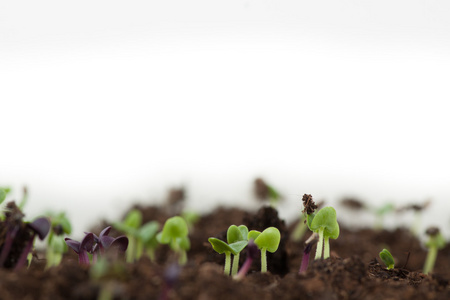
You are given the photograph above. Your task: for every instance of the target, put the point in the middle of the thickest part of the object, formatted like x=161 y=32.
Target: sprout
x=142 y=238
x=252 y=254
x=268 y=240
x=237 y=241
x=175 y=233
x=98 y=245
x=56 y=246
x=82 y=248
x=130 y=225
x=39 y=227
x=435 y=243
x=381 y=212
x=325 y=224
x=387 y=259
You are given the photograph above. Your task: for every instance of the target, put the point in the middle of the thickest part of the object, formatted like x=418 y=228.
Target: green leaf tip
x=387 y=259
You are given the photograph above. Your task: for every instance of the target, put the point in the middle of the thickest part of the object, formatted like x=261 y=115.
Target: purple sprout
x=82 y=248
x=98 y=245
x=252 y=254
x=40 y=227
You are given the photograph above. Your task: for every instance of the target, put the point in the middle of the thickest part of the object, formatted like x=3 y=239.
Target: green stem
x=431 y=259
x=326 y=249
x=299 y=230
x=263 y=261
x=235 y=268
x=139 y=248
x=319 y=244
x=227 y=263
x=131 y=251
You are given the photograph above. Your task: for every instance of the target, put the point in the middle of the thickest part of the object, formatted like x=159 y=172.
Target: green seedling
x=268 y=240
x=142 y=239
x=175 y=234
x=387 y=259
x=237 y=241
x=325 y=224
x=435 y=242
x=56 y=246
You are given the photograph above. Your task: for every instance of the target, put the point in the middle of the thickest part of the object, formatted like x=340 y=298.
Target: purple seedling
x=82 y=248
x=39 y=227
x=252 y=254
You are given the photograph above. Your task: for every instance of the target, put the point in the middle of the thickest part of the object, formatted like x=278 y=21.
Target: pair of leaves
x=326 y=219
x=269 y=239
x=175 y=230
x=237 y=240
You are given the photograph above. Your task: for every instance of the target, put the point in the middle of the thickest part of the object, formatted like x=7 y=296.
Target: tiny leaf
x=387 y=259
x=220 y=246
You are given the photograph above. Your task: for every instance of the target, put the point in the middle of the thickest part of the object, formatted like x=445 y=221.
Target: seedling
x=252 y=254
x=82 y=248
x=268 y=240
x=435 y=242
x=237 y=241
x=97 y=245
x=175 y=233
x=387 y=259
x=130 y=226
x=40 y=228
x=56 y=246
x=325 y=224
x=264 y=192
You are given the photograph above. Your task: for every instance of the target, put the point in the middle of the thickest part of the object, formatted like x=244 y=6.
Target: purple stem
x=244 y=269
x=252 y=253
x=305 y=259
x=23 y=256
x=10 y=236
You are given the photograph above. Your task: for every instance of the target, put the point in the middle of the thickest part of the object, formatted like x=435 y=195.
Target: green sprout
x=56 y=246
x=191 y=218
x=142 y=238
x=435 y=243
x=387 y=259
x=268 y=240
x=175 y=233
x=237 y=241
x=130 y=226
x=324 y=223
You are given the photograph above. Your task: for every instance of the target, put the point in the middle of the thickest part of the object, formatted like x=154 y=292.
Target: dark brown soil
x=353 y=271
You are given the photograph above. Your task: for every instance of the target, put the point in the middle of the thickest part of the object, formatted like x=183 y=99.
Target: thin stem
x=23 y=256
x=326 y=250
x=263 y=260
x=319 y=244
x=305 y=259
x=227 y=263
x=430 y=260
x=244 y=269
x=10 y=236
x=235 y=267
x=131 y=251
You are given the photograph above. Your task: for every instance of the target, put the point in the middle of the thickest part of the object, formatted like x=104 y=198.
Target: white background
x=104 y=103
